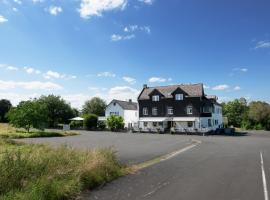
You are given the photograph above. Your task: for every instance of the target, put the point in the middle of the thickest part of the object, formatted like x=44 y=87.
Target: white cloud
x=106 y=74
x=133 y=28
x=37 y=1
x=130 y=80
x=236 y=88
x=157 y=80
x=56 y=75
x=18 y=1
x=262 y=45
x=116 y=37
x=206 y=87
x=149 y=2
x=16 y=98
x=12 y=68
x=55 y=10
x=32 y=85
x=90 y=8
x=240 y=69
x=122 y=93
x=221 y=87
x=14 y=9
x=30 y=70
x=3 y=19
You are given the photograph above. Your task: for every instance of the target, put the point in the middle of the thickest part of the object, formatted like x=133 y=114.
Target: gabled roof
x=190 y=89
x=126 y=105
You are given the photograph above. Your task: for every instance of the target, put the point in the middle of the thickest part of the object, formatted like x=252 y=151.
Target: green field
x=9 y=132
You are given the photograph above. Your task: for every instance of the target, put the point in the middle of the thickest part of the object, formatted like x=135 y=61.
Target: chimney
x=144 y=86
x=130 y=100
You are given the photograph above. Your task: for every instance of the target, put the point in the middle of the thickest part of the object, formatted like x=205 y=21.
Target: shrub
x=76 y=124
x=101 y=125
x=115 y=123
x=90 y=121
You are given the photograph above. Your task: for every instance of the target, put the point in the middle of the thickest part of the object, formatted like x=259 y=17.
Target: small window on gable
x=155 y=98
x=179 y=97
x=189 y=110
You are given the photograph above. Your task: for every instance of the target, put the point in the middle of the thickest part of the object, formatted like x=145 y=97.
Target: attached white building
x=126 y=109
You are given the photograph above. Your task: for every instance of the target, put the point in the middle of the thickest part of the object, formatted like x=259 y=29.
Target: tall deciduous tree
x=259 y=113
x=95 y=106
x=58 y=110
x=236 y=111
x=28 y=114
x=5 y=106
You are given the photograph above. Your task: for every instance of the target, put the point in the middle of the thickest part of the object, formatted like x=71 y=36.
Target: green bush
x=90 y=121
x=76 y=124
x=115 y=123
x=101 y=125
x=38 y=172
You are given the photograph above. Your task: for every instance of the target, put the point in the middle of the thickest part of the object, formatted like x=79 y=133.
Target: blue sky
x=110 y=48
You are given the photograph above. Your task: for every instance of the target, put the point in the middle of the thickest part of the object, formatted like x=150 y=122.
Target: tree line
x=51 y=111
x=253 y=115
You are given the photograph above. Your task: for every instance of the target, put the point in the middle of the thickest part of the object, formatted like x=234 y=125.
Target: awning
x=154 y=119
x=77 y=119
x=184 y=119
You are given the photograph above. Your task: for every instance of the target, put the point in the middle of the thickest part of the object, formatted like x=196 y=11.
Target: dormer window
x=179 y=97
x=155 y=98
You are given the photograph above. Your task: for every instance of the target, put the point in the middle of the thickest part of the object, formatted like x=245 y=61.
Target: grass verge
x=39 y=172
x=9 y=132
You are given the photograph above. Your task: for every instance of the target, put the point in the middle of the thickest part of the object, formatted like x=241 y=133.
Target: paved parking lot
x=131 y=148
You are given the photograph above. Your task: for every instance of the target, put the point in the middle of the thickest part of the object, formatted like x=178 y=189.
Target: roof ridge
x=175 y=85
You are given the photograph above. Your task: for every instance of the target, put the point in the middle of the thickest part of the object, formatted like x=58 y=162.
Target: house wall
x=114 y=108
x=131 y=116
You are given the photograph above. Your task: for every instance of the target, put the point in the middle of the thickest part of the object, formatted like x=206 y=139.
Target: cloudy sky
x=110 y=48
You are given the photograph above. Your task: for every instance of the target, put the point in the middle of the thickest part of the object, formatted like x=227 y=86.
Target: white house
x=126 y=109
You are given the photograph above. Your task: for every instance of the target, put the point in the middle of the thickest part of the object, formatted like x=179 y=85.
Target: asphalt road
x=130 y=148
x=220 y=168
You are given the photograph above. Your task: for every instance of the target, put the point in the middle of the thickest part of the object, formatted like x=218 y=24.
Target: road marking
x=264 y=179
x=168 y=156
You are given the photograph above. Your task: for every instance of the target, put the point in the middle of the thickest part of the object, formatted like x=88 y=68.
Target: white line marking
x=264 y=179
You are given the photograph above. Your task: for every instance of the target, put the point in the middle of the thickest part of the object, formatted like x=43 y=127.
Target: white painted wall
x=130 y=116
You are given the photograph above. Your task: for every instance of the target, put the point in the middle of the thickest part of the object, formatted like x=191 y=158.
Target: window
x=145 y=124
x=114 y=113
x=154 y=124
x=145 y=111
x=209 y=123
x=179 y=97
x=170 y=110
x=190 y=124
x=155 y=98
x=189 y=110
x=160 y=124
x=154 y=111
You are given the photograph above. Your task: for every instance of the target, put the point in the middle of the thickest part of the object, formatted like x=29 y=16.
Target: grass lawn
x=7 y=131
x=39 y=172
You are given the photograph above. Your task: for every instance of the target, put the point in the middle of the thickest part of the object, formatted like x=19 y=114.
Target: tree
x=5 y=106
x=94 y=106
x=59 y=111
x=236 y=111
x=259 y=114
x=28 y=114
x=90 y=121
x=115 y=123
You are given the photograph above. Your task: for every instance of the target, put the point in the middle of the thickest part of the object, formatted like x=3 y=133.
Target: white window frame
x=170 y=110
x=155 y=98
x=179 y=97
x=154 y=111
x=189 y=110
x=145 y=111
